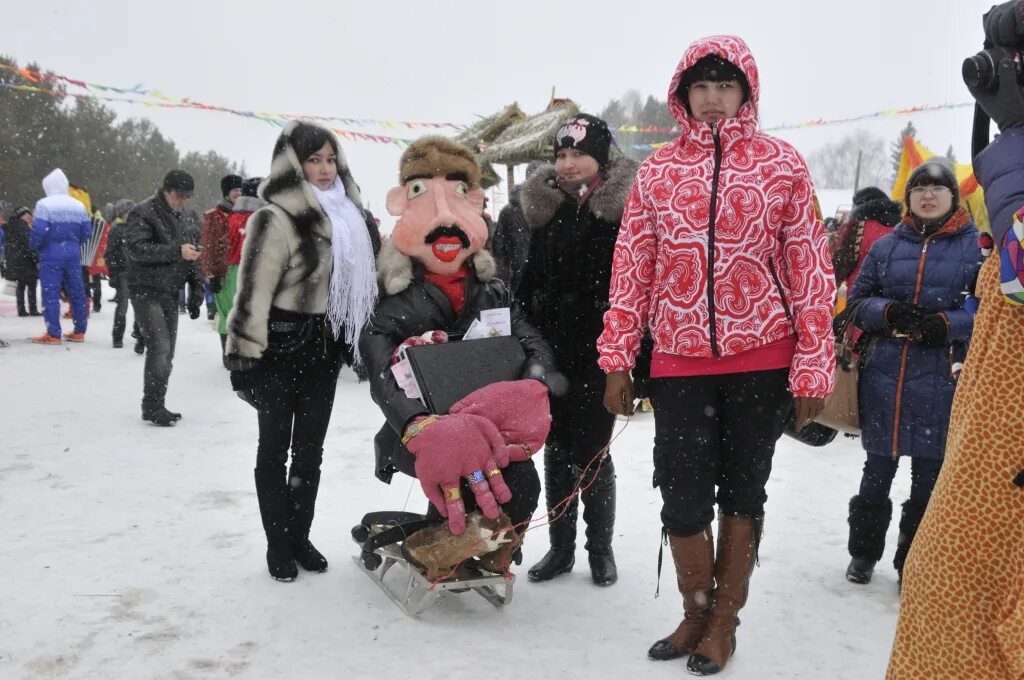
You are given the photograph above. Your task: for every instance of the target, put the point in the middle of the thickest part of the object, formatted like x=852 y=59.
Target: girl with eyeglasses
x=910 y=295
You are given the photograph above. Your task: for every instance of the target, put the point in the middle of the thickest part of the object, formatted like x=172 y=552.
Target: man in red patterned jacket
x=720 y=254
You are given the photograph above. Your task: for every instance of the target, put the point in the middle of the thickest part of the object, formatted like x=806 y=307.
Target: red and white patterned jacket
x=769 y=274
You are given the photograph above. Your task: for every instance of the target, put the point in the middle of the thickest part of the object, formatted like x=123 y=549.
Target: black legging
x=26 y=295
x=716 y=430
x=879 y=471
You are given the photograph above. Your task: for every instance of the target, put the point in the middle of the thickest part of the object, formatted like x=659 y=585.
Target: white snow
x=131 y=551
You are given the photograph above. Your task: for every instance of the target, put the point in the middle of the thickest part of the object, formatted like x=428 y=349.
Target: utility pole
x=856 y=178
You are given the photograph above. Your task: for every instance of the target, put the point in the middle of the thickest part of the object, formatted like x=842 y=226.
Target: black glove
x=216 y=284
x=557 y=383
x=904 y=317
x=934 y=331
x=115 y=281
x=194 y=309
x=1004 y=105
x=1004 y=24
x=244 y=384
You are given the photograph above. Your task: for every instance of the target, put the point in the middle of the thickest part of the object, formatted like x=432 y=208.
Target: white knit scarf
x=353 y=292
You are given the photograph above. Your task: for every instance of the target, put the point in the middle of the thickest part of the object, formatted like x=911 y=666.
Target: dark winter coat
x=410 y=306
x=153 y=241
x=117 y=261
x=866 y=223
x=22 y=263
x=511 y=243
x=1000 y=170
x=906 y=388
x=565 y=283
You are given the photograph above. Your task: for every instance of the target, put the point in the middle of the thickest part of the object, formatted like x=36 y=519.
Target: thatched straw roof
x=487 y=129
x=530 y=139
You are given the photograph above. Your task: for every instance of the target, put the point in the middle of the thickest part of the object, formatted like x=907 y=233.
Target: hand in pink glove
x=519 y=409
x=454 y=447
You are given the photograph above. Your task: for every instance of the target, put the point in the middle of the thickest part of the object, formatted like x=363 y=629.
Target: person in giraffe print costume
x=962 y=606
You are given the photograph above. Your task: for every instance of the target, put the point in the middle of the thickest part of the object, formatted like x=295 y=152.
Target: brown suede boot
x=737 y=552
x=694 y=557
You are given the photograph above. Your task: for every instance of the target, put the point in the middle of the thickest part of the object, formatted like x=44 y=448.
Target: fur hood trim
x=287 y=188
x=395 y=269
x=541 y=198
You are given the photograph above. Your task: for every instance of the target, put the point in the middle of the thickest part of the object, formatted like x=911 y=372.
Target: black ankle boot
x=281 y=563
x=308 y=557
x=860 y=570
x=868 y=520
x=910 y=520
x=557 y=561
x=603 y=569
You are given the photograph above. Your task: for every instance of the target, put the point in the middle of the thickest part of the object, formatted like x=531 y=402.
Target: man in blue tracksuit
x=60 y=227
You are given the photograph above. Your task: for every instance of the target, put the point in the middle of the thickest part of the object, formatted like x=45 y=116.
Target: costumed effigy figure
x=436 y=282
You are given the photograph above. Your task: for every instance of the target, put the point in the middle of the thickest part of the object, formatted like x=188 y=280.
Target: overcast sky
x=453 y=60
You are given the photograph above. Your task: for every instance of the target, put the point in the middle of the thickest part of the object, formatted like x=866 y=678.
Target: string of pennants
x=48 y=83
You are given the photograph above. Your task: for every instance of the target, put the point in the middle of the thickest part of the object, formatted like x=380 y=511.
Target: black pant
x=879 y=471
x=157 y=316
x=294 y=394
x=93 y=288
x=26 y=293
x=121 y=299
x=581 y=428
x=716 y=430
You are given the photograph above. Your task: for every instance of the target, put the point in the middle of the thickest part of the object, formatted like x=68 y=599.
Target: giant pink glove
x=519 y=409
x=456 y=447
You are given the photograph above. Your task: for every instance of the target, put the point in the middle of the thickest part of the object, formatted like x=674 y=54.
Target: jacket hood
x=286 y=185
x=396 y=270
x=734 y=50
x=540 y=198
x=56 y=183
x=882 y=209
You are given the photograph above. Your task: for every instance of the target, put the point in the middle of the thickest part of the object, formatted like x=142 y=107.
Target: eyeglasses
x=938 y=190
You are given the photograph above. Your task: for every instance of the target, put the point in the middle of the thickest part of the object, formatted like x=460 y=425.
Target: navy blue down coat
x=906 y=388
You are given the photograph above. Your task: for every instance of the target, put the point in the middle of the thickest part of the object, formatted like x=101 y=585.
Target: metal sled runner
x=380 y=537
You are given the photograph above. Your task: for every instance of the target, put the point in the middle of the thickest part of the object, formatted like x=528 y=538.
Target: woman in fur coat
x=574 y=207
x=306 y=287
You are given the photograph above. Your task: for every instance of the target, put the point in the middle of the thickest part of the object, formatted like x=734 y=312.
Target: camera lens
x=979 y=72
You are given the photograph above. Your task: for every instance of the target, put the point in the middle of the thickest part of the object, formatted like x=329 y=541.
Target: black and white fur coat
x=286 y=259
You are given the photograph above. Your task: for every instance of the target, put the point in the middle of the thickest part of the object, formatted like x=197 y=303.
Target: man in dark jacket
x=162 y=258
x=117 y=266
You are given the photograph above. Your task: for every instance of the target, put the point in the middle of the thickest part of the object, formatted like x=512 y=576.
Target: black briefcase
x=447 y=372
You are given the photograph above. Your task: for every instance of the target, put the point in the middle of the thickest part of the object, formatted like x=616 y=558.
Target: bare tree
x=834 y=166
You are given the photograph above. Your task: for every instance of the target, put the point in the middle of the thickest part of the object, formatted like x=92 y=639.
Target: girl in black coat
x=21 y=261
x=574 y=208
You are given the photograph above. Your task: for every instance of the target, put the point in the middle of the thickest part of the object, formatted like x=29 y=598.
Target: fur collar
x=286 y=187
x=396 y=270
x=541 y=199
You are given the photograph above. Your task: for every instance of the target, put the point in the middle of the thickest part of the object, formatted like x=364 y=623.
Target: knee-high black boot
x=599 y=516
x=910 y=520
x=869 y=520
x=559 y=482
x=302 y=488
x=275 y=513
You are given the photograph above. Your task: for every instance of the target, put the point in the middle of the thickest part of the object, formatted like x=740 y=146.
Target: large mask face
x=439 y=222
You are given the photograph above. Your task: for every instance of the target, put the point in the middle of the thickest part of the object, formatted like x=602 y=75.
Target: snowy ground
x=131 y=551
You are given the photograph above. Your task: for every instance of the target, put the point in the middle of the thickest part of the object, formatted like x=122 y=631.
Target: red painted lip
x=447 y=248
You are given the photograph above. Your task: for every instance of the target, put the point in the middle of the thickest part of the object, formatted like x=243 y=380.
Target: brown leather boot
x=737 y=552
x=694 y=557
